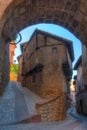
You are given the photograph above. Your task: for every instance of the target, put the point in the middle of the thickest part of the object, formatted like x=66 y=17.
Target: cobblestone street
x=68 y=124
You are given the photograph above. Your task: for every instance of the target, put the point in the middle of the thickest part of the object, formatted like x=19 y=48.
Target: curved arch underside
x=18 y=14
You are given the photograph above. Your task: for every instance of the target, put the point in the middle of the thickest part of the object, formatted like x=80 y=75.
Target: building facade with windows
x=20 y=59
x=81 y=92
x=47 y=66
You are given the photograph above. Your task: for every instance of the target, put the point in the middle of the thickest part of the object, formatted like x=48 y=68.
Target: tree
x=14 y=68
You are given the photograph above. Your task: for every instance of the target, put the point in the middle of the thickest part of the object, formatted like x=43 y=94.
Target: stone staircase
x=17 y=105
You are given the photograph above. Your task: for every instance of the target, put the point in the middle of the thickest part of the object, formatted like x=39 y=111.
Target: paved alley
x=18 y=103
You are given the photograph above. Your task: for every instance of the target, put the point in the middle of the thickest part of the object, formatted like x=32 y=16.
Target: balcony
x=36 y=69
x=67 y=70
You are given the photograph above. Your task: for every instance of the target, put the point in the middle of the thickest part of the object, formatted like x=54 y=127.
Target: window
x=54 y=49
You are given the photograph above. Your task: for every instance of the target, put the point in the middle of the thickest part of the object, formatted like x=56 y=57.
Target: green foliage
x=14 y=68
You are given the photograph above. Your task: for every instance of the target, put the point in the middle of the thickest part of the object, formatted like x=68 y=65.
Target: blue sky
x=54 y=29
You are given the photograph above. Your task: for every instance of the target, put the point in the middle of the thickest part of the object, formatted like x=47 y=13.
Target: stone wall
x=4 y=66
x=43 y=74
x=53 y=109
x=84 y=64
x=18 y=14
x=81 y=102
x=20 y=76
x=81 y=84
x=49 y=81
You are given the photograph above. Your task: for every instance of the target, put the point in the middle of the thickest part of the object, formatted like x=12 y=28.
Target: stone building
x=46 y=70
x=19 y=14
x=19 y=77
x=81 y=92
x=20 y=60
x=72 y=93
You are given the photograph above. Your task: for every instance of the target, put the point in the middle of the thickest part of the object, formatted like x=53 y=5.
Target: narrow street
x=43 y=47
x=18 y=103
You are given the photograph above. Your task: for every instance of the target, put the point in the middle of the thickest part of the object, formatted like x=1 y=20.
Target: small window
x=54 y=49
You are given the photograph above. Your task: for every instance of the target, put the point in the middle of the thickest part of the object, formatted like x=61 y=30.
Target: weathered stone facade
x=19 y=77
x=15 y=15
x=46 y=68
x=18 y=14
x=52 y=110
x=4 y=71
x=21 y=64
x=81 y=91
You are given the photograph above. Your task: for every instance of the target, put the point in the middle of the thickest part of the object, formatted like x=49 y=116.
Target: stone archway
x=18 y=14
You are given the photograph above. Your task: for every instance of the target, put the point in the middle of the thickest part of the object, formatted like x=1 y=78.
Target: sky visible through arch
x=54 y=29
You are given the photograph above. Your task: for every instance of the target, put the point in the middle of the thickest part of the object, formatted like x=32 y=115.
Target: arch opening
x=22 y=13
